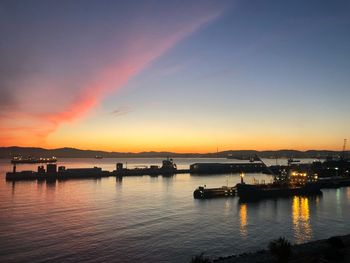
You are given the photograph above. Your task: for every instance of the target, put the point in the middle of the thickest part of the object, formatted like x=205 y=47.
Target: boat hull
x=251 y=192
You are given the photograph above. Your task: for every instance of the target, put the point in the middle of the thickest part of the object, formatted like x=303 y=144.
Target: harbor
x=294 y=178
x=137 y=204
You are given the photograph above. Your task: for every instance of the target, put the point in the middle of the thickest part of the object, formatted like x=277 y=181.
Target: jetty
x=54 y=172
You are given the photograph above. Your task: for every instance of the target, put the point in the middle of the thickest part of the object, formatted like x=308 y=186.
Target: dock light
x=242 y=178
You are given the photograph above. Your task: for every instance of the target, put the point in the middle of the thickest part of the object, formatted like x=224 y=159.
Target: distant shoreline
x=9 y=152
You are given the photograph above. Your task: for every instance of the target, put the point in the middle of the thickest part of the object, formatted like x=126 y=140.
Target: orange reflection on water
x=243 y=219
x=301 y=219
x=348 y=193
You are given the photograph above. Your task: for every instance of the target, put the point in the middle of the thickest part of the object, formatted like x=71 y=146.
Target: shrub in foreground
x=281 y=248
x=200 y=259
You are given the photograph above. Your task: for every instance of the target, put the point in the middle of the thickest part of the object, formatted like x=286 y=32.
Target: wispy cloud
x=121 y=111
x=46 y=99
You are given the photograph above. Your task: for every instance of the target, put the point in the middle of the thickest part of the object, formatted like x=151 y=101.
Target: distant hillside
x=9 y=152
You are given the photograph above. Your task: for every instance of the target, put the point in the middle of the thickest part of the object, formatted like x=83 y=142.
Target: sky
x=183 y=76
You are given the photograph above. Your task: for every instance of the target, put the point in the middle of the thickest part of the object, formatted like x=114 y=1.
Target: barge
x=168 y=168
x=204 y=193
x=52 y=173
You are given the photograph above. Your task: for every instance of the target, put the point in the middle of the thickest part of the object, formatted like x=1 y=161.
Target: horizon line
x=164 y=151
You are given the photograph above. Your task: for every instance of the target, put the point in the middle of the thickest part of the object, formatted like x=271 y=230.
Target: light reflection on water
x=151 y=219
x=243 y=219
x=301 y=219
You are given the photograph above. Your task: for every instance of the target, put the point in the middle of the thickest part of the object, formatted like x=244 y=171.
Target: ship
x=289 y=181
x=168 y=168
x=29 y=159
x=276 y=190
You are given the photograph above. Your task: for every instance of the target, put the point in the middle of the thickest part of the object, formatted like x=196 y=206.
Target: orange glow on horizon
x=178 y=145
x=140 y=55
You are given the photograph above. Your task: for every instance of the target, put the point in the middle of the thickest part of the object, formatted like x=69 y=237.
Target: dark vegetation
x=281 y=248
x=200 y=259
x=335 y=251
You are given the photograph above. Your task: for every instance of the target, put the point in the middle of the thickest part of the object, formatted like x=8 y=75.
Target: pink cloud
x=30 y=125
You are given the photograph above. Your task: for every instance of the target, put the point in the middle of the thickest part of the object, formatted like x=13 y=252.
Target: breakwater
x=76 y=173
x=53 y=172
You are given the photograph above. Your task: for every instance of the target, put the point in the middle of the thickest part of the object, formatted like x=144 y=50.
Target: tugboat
x=168 y=165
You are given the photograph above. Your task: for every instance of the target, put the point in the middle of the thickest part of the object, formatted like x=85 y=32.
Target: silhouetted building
x=119 y=166
x=51 y=168
x=41 y=169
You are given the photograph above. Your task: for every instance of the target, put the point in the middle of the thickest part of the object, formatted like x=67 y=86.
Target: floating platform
x=206 y=193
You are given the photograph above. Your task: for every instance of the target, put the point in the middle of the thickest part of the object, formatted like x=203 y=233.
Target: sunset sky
x=185 y=76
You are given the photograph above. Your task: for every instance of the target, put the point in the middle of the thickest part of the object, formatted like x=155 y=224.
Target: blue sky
x=237 y=74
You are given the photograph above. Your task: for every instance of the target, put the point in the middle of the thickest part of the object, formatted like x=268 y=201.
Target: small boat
x=29 y=159
x=98 y=157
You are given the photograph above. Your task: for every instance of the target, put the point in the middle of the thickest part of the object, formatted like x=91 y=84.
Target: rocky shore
x=334 y=249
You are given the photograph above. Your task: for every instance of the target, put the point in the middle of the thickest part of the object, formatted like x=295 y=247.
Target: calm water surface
x=151 y=219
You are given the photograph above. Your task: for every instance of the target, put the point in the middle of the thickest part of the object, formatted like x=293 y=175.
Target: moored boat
x=275 y=190
x=204 y=193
